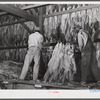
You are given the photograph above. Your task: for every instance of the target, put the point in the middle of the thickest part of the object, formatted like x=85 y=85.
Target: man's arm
x=80 y=41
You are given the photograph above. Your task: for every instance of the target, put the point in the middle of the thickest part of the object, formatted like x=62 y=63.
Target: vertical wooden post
x=41 y=19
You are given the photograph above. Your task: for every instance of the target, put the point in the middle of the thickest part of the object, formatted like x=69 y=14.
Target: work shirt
x=35 y=39
x=82 y=39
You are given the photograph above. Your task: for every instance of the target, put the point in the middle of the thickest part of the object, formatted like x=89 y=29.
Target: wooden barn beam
x=12 y=23
x=40 y=10
x=45 y=45
x=72 y=10
x=33 y=6
x=26 y=8
x=13 y=47
x=3 y=13
x=19 y=12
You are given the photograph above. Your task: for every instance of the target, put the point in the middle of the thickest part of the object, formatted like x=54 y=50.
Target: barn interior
x=56 y=22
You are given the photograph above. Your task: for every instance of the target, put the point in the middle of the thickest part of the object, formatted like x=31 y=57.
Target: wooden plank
x=19 y=12
x=33 y=6
x=36 y=83
x=14 y=47
x=26 y=8
x=12 y=23
x=26 y=46
x=49 y=44
x=41 y=84
x=72 y=10
x=3 y=13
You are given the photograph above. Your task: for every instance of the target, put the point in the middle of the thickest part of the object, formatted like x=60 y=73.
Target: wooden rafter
x=26 y=8
x=3 y=13
x=33 y=6
x=19 y=12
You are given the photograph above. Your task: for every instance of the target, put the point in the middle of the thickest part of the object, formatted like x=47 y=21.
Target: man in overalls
x=88 y=57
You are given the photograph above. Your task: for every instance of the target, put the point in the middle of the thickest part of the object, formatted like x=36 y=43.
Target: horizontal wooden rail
x=14 y=47
x=72 y=10
x=12 y=23
x=45 y=45
x=21 y=47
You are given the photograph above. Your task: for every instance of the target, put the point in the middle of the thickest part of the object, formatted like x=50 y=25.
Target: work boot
x=83 y=83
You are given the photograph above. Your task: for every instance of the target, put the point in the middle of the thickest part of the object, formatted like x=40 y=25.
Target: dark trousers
x=89 y=62
x=77 y=76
